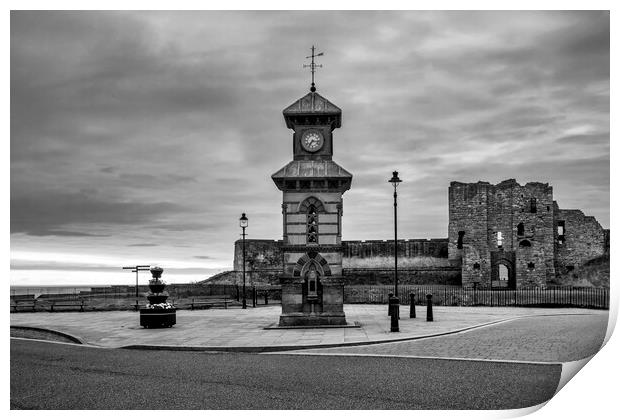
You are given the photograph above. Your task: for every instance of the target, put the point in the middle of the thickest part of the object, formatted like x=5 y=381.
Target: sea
x=51 y=290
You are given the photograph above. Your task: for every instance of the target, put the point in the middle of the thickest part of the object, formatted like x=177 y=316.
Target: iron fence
x=260 y=295
x=469 y=296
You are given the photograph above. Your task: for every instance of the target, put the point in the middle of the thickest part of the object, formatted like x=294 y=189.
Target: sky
x=141 y=137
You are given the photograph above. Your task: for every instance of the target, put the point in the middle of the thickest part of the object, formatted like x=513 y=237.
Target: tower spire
x=313 y=66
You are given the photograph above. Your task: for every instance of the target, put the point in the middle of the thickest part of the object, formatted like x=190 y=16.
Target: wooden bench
x=210 y=301
x=73 y=303
x=23 y=303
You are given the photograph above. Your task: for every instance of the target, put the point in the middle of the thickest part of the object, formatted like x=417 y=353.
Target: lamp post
x=395 y=181
x=393 y=301
x=243 y=222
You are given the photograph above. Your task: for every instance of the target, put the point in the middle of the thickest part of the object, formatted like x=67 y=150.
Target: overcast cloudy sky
x=140 y=137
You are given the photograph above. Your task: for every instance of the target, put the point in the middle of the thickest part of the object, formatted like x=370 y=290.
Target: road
x=59 y=376
x=537 y=339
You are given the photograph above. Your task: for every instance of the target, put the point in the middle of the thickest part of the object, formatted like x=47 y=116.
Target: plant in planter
x=156 y=284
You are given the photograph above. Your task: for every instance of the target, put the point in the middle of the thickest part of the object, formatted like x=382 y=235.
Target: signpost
x=136 y=269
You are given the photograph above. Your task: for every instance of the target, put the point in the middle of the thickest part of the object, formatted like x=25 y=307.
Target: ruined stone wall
x=468 y=213
x=262 y=254
x=479 y=211
x=584 y=239
x=406 y=248
x=263 y=258
x=532 y=207
x=447 y=275
x=264 y=261
x=527 y=218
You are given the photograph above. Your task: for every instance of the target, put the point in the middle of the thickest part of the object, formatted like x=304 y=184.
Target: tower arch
x=311 y=202
x=302 y=265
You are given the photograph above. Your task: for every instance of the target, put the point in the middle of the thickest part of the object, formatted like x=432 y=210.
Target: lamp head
x=395 y=179
x=243 y=221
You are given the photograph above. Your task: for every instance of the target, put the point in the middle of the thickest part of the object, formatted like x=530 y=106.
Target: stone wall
x=264 y=254
x=526 y=217
x=264 y=261
x=406 y=248
x=584 y=239
x=425 y=275
x=468 y=229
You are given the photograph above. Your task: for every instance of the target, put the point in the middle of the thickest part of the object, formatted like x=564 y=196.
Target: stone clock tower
x=312 y=186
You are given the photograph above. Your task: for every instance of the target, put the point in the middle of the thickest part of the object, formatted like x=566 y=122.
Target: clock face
x=312 y=140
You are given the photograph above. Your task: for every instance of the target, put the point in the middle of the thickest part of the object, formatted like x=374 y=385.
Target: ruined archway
x=503 y=274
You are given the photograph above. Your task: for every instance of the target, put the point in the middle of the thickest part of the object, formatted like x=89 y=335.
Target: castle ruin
x=501 y=236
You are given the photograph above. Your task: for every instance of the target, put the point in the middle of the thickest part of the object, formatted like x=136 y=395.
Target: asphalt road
x=59 y=376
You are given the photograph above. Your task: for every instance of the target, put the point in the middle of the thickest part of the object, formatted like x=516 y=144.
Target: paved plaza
x=525 y=334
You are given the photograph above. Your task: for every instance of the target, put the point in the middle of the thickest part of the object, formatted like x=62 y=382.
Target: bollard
x=266 y=299
x=429 y=307
x=390 y=296
x=411 y=305
x=394 y=302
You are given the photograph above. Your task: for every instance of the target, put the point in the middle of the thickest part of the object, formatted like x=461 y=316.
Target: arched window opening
x=500 y=239
x=530 y=265
x=459 y=243
x=525 y=243
x=312 y=225
x=533 y=205
x=520 y=229
x=561 y=231
x=476 y=266
x=311 y=201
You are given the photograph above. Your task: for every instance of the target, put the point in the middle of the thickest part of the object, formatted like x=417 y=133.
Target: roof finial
x=313 y=67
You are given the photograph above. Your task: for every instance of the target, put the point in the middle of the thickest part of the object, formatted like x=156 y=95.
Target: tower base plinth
x=315 y=319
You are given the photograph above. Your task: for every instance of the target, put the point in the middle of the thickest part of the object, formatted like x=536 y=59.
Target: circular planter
x=158 y=318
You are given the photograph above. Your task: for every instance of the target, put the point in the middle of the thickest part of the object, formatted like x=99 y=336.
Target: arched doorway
x=503 y=274
x=503 y=270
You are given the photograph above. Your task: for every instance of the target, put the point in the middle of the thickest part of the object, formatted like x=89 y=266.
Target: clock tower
x=312 y=186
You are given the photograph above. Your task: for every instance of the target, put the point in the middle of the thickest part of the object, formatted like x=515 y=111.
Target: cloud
x=48 y=212
x=162 y=127
x=53 y=232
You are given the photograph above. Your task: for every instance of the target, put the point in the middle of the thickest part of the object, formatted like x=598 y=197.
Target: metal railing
x=565 y=296
x=468 y=296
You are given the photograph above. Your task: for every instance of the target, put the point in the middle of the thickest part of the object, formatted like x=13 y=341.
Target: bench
x=210 y=301
x=23 y=303
x=74 y=304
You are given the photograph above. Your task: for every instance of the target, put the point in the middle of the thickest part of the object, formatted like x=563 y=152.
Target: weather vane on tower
x=313 y=67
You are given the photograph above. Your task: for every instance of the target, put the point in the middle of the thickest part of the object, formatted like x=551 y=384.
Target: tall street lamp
x=395 y=181
x=243 y=222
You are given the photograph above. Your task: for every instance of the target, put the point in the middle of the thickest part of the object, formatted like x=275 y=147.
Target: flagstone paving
x=557 y=338
x=545 y=334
